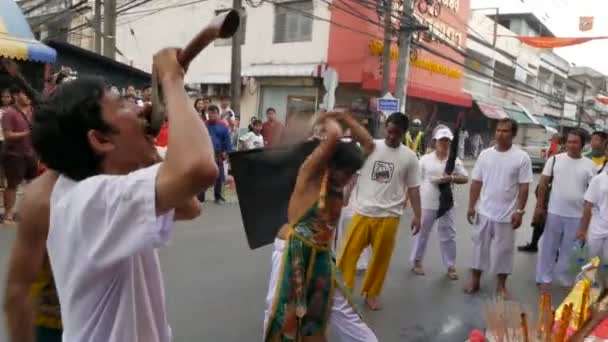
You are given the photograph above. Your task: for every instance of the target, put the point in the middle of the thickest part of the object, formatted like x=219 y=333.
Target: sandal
x=452 y=275
x=418 y=270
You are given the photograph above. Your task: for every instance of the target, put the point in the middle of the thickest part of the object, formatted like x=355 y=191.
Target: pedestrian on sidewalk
x=220 y=136
x=497 y=202
x=432 y=171
x=571 y=174
x=379 y=200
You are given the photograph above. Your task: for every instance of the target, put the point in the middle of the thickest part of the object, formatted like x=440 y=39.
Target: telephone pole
x=109 y=28
x=386 y=52
x=97 y=26
x=409 y=25
x=405 y=33
x=235 y=66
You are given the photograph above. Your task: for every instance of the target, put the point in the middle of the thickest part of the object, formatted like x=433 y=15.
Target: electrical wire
x=531 y=91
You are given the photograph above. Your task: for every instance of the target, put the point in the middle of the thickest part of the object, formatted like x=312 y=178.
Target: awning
x=491 y=111
x=547 y=121
x=211 y=79
x=285 y=70
x=16 y=38
x=369 y=82
x=518 y=116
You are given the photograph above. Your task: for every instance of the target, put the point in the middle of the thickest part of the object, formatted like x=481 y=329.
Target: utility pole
x=109 y=28
x=386 y=52
x=405 y=33
x=235 y=66
x=581 y=109
x=97 y=26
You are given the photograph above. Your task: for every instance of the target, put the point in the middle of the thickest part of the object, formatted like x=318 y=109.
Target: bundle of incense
x=582 y=314
x=564 y=323
x=550 y=317
x=524 y=327
x=544 y=310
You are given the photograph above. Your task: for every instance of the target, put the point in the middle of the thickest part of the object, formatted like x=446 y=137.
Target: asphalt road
x=215 y=285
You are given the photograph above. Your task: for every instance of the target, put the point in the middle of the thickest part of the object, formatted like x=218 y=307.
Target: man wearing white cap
x=500 y=182
x=432 y=170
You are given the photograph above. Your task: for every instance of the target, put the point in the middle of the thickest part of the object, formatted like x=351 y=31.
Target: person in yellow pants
x=378 y=202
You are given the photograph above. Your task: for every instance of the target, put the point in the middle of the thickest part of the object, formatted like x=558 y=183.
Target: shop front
x=434 y=86
x=17 y=42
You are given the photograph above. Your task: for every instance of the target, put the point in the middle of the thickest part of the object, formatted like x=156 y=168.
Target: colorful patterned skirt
x=304 y=292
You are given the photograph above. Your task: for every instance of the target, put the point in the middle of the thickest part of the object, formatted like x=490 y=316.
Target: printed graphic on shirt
x=383 y=172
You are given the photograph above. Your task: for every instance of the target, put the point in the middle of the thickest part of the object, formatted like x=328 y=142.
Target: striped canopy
x=16 y=38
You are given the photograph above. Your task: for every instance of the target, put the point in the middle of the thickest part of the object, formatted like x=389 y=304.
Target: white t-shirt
x=252 y=140
x=570 y=180
x=102 y=245
x=501 y=174
x=387 y=172
x=597 y=193
x=432 y=168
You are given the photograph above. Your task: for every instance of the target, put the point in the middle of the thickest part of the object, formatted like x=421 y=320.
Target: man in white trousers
x=500 y=182
x=432 y=170
x=594 y=224
x=571 y=173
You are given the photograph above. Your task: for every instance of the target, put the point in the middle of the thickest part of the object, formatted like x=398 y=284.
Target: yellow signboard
x=436 y=67
x=376 y=48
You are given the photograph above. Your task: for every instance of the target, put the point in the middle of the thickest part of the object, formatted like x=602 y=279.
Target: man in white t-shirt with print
x=594 y=223
x=378 y=200
x=112 y=207
x=571 y=173
x=500 y=181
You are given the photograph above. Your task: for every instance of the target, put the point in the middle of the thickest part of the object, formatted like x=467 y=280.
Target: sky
x=562 y=18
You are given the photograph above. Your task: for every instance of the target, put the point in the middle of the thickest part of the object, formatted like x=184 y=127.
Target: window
x=242 y=28
x=293 y=21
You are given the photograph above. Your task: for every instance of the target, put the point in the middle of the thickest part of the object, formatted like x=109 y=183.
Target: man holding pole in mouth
x=114 y=205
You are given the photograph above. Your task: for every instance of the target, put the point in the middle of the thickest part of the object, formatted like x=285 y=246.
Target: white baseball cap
x=443 y=132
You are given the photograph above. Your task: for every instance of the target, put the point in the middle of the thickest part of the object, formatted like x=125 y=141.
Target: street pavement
x=215 y=285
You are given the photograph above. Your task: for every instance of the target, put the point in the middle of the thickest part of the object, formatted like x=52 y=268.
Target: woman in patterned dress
x=306 y=292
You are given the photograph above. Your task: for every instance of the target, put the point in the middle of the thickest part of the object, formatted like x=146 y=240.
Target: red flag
x=555 y=42
x=585 y=24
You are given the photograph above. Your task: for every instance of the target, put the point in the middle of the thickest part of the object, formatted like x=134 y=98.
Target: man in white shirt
x=112 y=207
x=501 y=176
x=594 y=223
x=378 y=200
x=571 y=173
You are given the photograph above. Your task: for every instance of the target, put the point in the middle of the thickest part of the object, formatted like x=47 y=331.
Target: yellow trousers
x=380 y=233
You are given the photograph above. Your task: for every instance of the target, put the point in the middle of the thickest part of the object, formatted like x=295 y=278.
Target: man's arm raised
x=189 y=166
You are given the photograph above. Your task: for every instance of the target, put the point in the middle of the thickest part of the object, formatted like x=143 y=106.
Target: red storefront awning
x=417 y=90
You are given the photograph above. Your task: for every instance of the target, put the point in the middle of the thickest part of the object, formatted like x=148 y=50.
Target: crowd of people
x=85 y=263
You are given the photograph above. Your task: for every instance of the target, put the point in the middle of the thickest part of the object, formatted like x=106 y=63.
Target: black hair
x=146 y=86
x=347 y=157
x=255 y=122
x=15 y=89
x=600 y=134
x=398 y=119
x=213 y=108
x=509 y=121
x=61 y=125
x=270 y=109
x=582 y=135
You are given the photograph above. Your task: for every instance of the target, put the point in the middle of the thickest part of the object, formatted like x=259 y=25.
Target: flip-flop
x=418 y=270
x=452 y=275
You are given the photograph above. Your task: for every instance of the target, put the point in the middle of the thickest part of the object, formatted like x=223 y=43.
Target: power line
x=536 y=92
